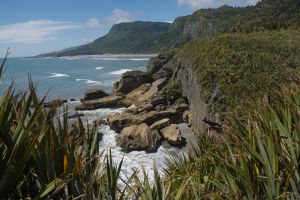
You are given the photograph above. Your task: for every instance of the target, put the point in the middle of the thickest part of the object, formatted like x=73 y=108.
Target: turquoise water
x=68 y=77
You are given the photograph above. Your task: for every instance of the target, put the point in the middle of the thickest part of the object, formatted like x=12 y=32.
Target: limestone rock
x=138 y=138
x=172 y=134
x=138 y=92
x=130 y=81
x=160 y=124
x=118 y=121
x=156 y=86
x=105 y=102
x=92 y=94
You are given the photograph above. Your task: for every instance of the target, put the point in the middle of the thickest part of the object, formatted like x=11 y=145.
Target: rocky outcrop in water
x=153 y=110
x=138 y=137
x=130 y=81
x=55 y=103
x=105 y=102
x=93 y=94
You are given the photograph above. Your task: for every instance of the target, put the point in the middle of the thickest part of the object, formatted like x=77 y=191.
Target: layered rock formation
x=138 y=137
x=153 y=111
x=199 y=116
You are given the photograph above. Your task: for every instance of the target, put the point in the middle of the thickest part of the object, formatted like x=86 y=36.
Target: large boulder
x=160 y=124
x=130 y=81
x=143 y=98
x=92 y=94
x=118 y=121
x=136 y=93
x=172 y=134
x=138 y=138
x=105 y=102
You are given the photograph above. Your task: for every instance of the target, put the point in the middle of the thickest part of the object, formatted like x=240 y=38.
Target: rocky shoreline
x=152 y=115
x=155 y=107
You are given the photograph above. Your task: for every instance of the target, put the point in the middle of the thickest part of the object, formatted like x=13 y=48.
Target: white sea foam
x=58 y=75
x=71 y=57
x=134 y=160
x=120 y=72
x=91 y=82
x=98 y=68
x=104 y=58
x=139 y=59
x=80 y=79
x=131 y=57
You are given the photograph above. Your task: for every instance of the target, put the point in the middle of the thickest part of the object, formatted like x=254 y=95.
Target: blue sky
x=30 y=27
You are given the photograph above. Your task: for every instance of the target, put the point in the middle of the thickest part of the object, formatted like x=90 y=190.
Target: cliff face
x=192 y=91
x=167 y=65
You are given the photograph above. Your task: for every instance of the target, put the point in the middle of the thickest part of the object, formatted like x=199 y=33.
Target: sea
x=69 y=77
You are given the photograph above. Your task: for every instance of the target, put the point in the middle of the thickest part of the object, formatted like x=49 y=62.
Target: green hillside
x=244 y=66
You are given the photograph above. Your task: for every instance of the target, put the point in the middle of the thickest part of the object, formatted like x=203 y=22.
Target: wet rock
x=138 y=138
x=130 y=81
x=76 y=115
x=159 y=100
x=56 y=103
x=172 y=134
x=160 y=124
x=93 y=94
x=72 y=99
x=105 y=102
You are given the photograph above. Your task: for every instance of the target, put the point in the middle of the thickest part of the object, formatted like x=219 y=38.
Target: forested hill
x=153 y=37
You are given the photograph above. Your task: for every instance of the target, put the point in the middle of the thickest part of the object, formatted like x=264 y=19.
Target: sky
x=31 y=27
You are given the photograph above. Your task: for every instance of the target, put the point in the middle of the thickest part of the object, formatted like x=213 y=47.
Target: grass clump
x=254 y=160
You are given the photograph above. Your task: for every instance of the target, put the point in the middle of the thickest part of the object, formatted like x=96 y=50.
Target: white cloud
x=196 y=4
x=119 y=16
x=35 y=31
x=93 y=23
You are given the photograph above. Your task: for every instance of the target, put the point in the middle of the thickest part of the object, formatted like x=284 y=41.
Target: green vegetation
x=244 y=66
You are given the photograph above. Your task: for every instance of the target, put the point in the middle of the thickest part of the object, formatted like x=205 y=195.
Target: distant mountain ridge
x=152 y=37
